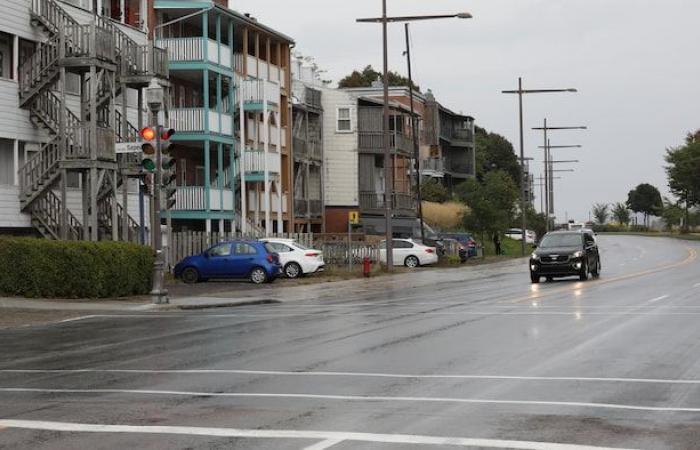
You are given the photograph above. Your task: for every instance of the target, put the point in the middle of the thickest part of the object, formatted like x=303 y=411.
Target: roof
x=449 y=111
x=380 y=102
x=253 y=23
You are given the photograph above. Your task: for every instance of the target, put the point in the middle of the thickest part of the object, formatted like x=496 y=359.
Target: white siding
x=75 y=204
x=15 y=20
x=10 y=217
x=14 y=122
x=340 y=151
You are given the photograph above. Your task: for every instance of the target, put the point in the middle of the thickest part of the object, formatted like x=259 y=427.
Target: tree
x=491 y=203
x=601 y=211
x=682 y=172
x=673 y=213
x=433 y=191
x=621 y=214
x=536 y=222
x=494 y=152
x=368 y=75
x=645 y=199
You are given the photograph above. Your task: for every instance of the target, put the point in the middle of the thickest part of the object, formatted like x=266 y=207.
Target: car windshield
x=561 y=240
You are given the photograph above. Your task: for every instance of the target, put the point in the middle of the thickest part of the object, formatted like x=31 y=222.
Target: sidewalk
x=229 y=294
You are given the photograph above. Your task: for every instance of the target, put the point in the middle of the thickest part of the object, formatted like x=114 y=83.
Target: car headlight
x=535 y=256
x=578 y=254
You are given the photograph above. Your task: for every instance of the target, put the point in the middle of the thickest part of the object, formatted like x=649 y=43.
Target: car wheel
x=596 y=272
x=292 y=270
x=411 y=262
x=534 y=278
x=583 y=275
x=258 y=276
x=190 y=275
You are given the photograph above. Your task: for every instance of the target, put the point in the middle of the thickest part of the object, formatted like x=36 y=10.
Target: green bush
x=71 y=269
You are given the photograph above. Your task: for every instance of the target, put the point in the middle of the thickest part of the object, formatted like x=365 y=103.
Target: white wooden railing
x=258 y=91
x=192 y=49
x=274 y=203
x=254 y=161
x=192 y=120
x=193 y=198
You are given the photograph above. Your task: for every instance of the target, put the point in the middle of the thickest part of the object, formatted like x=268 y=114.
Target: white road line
x=295 y=434
x=75 y=319
x=360 y=398
x=654 y=300
x=350 y=374
x=323 y=445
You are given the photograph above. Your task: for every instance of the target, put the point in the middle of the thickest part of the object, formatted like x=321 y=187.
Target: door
x=402 y=249
x=284 y=251
x=218 y=261
x=243 y=259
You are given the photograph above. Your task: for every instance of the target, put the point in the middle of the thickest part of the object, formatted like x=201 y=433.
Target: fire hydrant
x=366 y=266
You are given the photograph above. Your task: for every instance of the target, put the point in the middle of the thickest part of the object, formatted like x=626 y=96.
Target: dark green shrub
x=72 y=269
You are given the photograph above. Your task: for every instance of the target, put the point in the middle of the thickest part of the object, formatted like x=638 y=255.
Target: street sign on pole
x=127 y=147
x=354 y=217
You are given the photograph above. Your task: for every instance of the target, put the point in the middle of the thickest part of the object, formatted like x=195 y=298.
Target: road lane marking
x=295 y=434
x=347 y=374
x=657 y=299
x=356 y=398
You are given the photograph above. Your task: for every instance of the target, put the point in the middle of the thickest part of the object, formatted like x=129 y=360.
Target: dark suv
x=564 y=254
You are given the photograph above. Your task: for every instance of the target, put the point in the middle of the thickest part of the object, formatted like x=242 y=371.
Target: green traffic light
x=148 y=164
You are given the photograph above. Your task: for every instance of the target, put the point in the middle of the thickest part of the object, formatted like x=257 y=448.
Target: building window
x=6 y=55
x=344 y=120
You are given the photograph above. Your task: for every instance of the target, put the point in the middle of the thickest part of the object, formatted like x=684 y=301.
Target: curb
x=266 y=301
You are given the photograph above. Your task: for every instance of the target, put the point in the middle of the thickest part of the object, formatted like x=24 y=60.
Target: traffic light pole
x=159 y=294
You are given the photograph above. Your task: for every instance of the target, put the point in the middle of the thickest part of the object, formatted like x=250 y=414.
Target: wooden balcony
x=194 y=49
x=192 y=120
x=373 y=142
x=373 y=203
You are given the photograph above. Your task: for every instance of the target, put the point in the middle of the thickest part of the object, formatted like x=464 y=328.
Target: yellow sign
x=354 y=217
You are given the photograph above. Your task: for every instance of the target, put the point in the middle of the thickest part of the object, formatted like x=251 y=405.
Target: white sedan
x=296 y=259
x=409 y=253
x=517 y=234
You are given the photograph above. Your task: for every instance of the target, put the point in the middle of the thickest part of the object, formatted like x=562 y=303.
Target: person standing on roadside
x=497 y=243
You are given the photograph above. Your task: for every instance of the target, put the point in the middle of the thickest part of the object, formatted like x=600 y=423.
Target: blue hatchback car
x=235 y=259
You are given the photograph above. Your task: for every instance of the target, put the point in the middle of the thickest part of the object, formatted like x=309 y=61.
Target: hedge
x=73 y=269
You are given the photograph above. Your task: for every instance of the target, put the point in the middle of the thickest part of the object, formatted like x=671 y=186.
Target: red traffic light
x=147 y=133
x=167 y=134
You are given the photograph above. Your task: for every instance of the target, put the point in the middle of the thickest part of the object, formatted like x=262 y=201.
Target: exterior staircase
x=76 y=48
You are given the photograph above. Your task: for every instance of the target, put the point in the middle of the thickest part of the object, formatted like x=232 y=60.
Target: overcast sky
x=634 y=62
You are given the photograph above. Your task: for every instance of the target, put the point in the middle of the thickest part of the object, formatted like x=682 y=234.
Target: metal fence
x=337 y=254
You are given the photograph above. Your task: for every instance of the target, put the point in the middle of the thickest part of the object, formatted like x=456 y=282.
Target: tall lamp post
x=388 y=168
x=520 y=91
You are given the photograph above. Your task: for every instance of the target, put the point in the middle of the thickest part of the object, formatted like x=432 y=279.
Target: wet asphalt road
x=388 y=364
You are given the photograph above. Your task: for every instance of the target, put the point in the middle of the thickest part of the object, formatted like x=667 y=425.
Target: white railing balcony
x=252 y=66
x=193 y=198
x=260 y=91
x=254 y=161
x=191 y=120
x=192 y=49
x=274 y=203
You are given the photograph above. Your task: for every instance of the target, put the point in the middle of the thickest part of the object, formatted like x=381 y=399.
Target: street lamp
x=520 y=91
x=547 y=167
x=388 y=171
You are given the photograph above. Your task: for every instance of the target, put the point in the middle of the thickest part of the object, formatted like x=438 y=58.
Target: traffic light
x=168 y=168
x=148 y=149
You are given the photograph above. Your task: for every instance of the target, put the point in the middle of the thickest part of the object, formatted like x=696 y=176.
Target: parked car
x=254 y=260
x=409 y=253
x=466 y=241
x=296 y=259
x=565 y=253
x=517 y=234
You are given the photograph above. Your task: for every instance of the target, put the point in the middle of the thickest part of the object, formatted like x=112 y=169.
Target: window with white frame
x=344 y=120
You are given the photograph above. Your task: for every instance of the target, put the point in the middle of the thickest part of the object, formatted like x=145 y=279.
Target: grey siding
x=14 y=122
x=15 y=20
x=10 y=216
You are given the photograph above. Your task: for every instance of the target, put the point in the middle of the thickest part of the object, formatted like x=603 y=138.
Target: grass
x=685 y=237
x=445 y=216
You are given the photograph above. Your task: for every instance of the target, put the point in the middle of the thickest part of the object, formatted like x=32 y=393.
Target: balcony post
x=207 y=176
x=220 y=174
x=218 y=38
x=241 y=160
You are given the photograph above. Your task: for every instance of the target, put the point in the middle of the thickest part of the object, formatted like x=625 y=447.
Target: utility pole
x=520 y=91
x=416 y=143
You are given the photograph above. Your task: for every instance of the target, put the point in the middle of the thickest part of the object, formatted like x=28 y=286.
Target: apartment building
x=448 y=150
x=61 y=114
x=230 y=104
x=68 y=93
x=353 y=143
x=307 y=143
